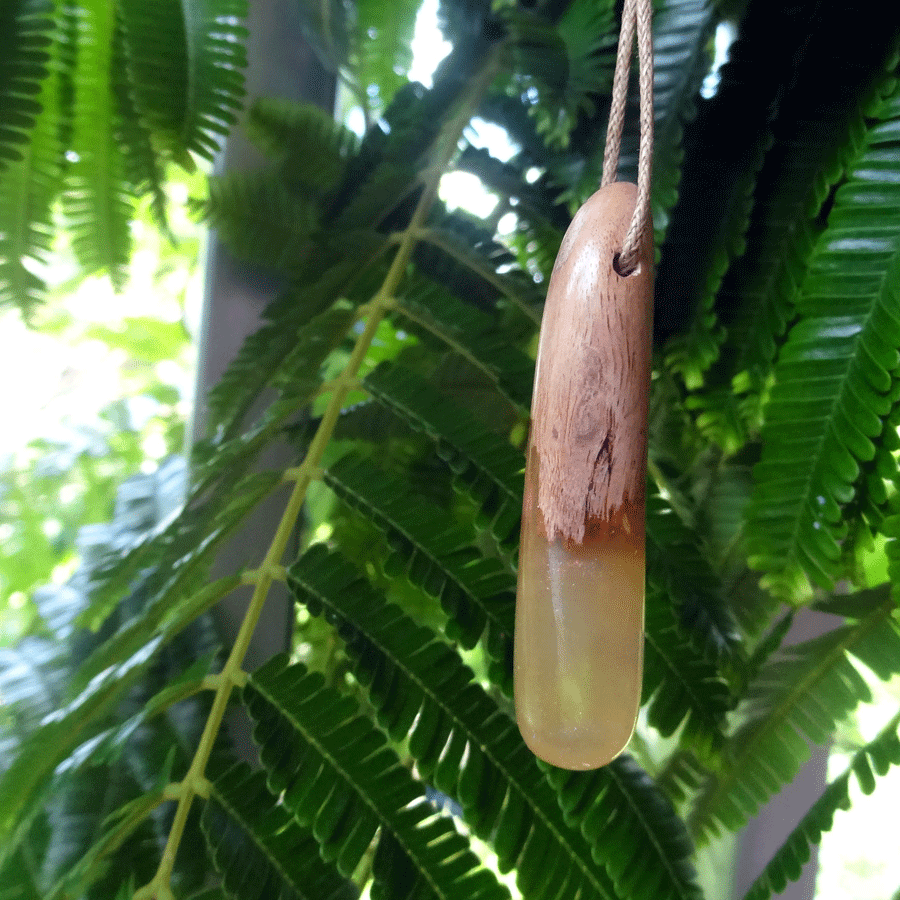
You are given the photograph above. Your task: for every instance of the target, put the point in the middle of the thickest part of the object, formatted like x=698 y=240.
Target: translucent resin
x=580 y=601
x=579 y=638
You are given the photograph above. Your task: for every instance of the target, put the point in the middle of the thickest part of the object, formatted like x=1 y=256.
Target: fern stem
x=232 y=674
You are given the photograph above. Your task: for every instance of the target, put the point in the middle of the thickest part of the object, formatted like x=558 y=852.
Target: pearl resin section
x=580 y=600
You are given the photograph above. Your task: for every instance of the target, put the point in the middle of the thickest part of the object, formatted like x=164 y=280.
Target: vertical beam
x=280 y=63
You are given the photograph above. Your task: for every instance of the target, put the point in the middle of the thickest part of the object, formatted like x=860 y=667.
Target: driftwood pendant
x=580 y=600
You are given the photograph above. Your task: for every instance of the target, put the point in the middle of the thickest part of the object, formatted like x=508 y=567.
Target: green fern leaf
x=30 y=682
x=459 y=738
x=143 y=166
x=438 y=554
x=481 y=461
x=311 y=147
x=26 y=32
x=29 y=182
x=724 y=151
x=337 y=775
x=290 y=323
x=27 y=781
x=380 y=48
x=187 y=59
x=690 y=639
x=434 y=313
x=819 y=128
x=259 y=219
x=565 y=64
x=171 y=562
x=797 y=698
x=680 y=683
x=681 y=776
x=787 y=863
x=257 y=848
x=20 y=876
x=126 y=830
x=465 y=259
x=628 y=822
x=75 y=817
x=834 y=375
x=677 y=565
x=97 y=203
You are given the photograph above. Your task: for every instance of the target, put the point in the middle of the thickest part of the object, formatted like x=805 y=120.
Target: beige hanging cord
x=636 y=15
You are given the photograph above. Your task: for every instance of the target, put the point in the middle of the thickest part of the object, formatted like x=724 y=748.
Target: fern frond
x=380 y=53
x=288 y=322
x=97 y=202
x=536 y=202
x=689 y=638
x=28 y=780
x=260 y=220
x=30 y=179
x=337 y=775
x=142 y=165
x=310 y=146
x=438 y=554
x=834 y=375
x=26 y=33
x=680 y=683
x=566 y=63
x=30 y=682
x=170 y=562
x=629 y=821
x=257 y=848
x=470 y=264
x=677 y=564
x=787 y=863
x=725 y=148
x=796 y=699
x=820 y=126
x=681 y=776
x=459 y=738
x=432 y=312
x=187 y=59
x=126 y=829
x=481 y=461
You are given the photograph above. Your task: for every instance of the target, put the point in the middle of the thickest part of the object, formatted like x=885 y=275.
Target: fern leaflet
x=337 y=775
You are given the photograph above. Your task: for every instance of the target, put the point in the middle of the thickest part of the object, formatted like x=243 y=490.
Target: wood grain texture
x=589 y=414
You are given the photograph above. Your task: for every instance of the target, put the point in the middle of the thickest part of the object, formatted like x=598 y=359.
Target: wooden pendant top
x=592 y=381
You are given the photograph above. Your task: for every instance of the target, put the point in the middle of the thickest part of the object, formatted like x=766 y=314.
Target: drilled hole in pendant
x=617 y=267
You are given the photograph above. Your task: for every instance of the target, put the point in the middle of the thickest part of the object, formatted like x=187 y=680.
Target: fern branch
x=475 y=591
x=482 y=462
x=98 y=204
x=28 y=187
x=159 y=886
x=186 y=59
x=474 y=335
